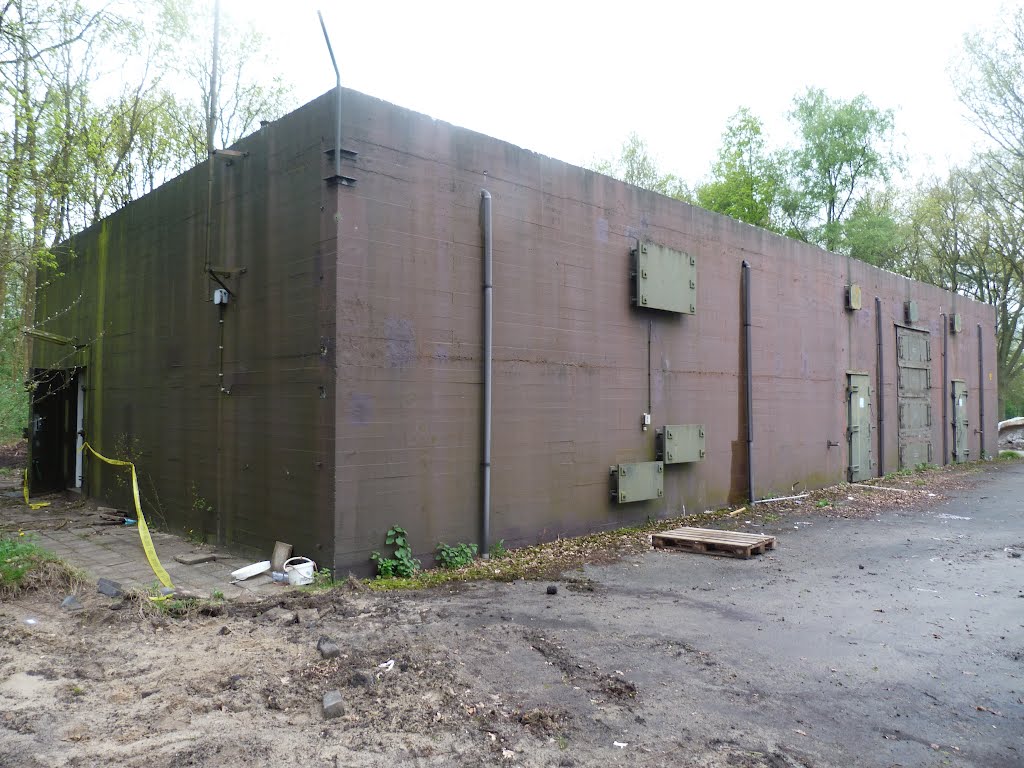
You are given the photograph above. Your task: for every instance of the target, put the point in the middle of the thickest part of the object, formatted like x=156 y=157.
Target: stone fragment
x=333 y=706
x=279 y=616
x=195 y=558
x=328 y=648
x=362 y=678
x=109 y=588
x=71 y=603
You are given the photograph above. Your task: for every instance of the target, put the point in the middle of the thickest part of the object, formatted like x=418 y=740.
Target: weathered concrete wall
x=571 y=357
x=254 y=465
x=355 y=373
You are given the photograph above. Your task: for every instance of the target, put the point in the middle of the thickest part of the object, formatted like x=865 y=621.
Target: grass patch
x=24 y=566
x=150 y=603
x=1009 y=456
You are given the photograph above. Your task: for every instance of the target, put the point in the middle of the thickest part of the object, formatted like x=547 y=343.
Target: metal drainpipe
x=210 y=132
x=749 y=376
x=881 y=385
x=488 y=328
x=945 y=389
x=981 y=394
x=337 y=117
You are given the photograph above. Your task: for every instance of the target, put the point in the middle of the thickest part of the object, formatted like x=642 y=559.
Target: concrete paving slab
x=115 y=551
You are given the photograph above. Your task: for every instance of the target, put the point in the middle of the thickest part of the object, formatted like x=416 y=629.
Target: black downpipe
x=748 y=374
x=945 y=390
x=488 y=353
x=981 y=393
x=881 y=387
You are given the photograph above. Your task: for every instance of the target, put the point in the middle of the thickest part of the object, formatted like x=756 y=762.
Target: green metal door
x=859 y=427
x=961 y=451
x=913 y=396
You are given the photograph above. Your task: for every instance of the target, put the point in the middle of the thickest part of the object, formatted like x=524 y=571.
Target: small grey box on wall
x=663 y=278
x=910 y=311
x=679 y=443
x=637 y=482
x=854 y=299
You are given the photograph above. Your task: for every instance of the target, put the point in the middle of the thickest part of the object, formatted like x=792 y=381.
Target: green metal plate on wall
x=680 y=443
x=664 y=279
x=638 y=482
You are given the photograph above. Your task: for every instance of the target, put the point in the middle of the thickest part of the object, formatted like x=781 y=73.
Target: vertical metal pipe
x=880 y=363
x=945 y=389
x=650 y=393
x=748 y=373
x=488 y=351
x=981 y=393
x=211 y=124
x=211 y=121
x=337 y=115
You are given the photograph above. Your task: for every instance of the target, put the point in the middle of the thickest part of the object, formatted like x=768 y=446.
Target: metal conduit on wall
x=488 y=327
x=749 y=378
x=881 y=387
x=945 y=389
x=981 y=393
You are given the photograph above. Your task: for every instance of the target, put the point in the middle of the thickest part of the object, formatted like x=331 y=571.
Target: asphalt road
x=890 y=641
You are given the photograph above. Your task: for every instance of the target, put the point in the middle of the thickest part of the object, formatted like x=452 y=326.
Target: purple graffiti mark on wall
x=360 y=408
x=400 y=342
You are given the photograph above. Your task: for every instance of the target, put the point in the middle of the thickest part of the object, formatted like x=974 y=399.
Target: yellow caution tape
x=147 y=541
x=31 y=504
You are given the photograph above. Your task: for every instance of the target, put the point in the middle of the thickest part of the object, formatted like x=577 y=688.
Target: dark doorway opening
x=55 y=429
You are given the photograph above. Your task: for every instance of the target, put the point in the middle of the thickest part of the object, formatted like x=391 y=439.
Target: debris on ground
x=328 y=648
x=71 y=603
x=109 y=588
x=333 y=704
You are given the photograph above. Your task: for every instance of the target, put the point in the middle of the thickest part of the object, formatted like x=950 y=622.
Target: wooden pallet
x=711 y=542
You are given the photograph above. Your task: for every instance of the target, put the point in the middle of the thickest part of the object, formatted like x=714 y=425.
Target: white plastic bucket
x=299 y=570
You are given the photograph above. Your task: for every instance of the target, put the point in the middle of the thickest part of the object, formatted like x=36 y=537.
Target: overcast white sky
x=572 y=79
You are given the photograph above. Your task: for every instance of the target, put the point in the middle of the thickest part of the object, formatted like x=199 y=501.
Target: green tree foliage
x=990 y=80
x=844 y=151
x=70 y=156
x=636 y=166
x=876 y=230
x=967 y=236
x=745 y=178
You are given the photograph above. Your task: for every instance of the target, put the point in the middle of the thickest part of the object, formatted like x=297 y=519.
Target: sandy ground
x=870 y=637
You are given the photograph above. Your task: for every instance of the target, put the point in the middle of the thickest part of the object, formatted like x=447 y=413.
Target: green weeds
x=401 y=564
x=456 y=556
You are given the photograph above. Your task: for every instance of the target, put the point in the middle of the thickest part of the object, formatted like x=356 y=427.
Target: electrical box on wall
x=853 y=297
x=637 y=482
x=910 y=311
x=663 y=278
x=679 y=443
x=956 y=323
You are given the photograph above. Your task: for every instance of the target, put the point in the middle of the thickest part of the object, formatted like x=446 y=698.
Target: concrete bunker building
x=297 y=351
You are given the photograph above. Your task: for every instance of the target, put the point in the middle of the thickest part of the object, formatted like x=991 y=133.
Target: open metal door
x=54 y=426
